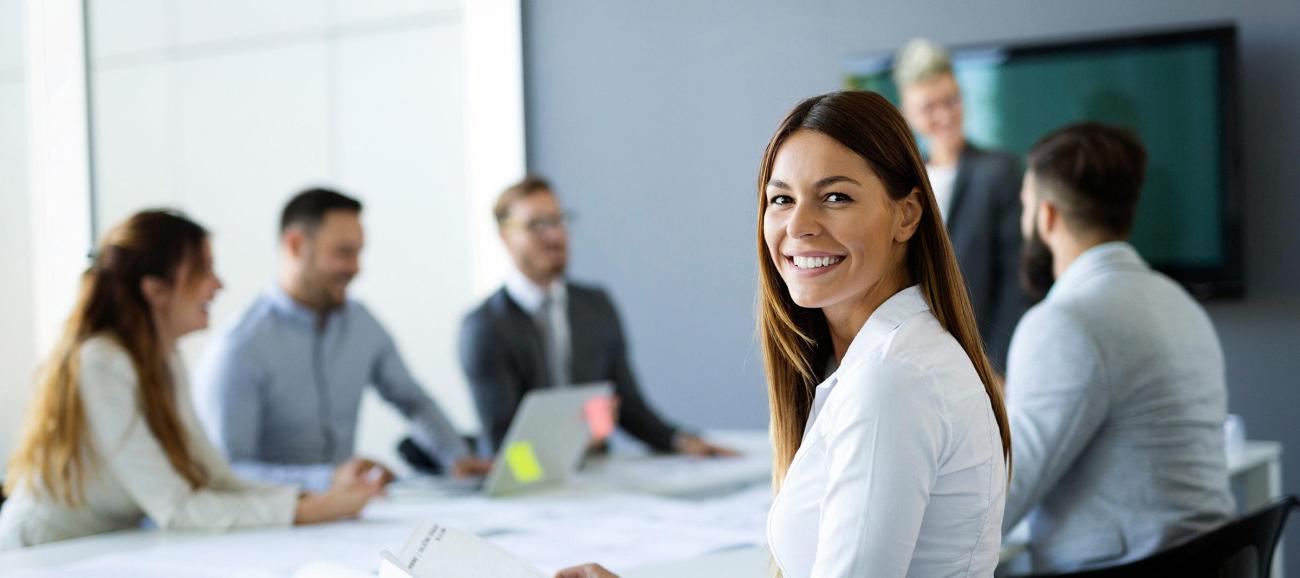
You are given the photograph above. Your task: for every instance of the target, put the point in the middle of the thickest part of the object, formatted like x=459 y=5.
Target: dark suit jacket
x=501 y=353
x=984 y=225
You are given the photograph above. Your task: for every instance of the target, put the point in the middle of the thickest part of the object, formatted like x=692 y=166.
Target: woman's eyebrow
x=828 y=181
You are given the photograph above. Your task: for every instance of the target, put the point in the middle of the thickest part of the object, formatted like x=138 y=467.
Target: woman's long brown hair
x=796 y=341
x=54 y=453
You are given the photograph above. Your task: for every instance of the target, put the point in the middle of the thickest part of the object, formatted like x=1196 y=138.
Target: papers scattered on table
x=435 y=551
x=324 y=569
x=621 y=531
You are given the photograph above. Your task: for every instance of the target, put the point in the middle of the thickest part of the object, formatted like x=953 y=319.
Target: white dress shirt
x=943 y=181
x=129 y=476
x=900 y=472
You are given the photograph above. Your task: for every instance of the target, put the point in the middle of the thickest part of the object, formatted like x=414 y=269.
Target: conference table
x=636 y=513
x=640 y=515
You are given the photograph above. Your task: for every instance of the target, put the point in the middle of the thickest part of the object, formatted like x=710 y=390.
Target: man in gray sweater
x=1115 y=381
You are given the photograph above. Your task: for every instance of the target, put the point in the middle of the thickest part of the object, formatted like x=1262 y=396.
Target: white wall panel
x=361 y=11
x=11 y=38
x=123 y=27
x=17 y=325
x=252 y=129
x=210 y=21
x=400 y=149
x=133 y=146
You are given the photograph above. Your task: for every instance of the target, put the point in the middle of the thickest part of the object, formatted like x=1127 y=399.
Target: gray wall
x=650 y=117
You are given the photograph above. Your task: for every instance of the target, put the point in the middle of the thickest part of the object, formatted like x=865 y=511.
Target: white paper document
x=435 y=551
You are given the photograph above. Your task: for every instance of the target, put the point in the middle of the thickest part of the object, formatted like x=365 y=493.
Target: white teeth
x=815 y=262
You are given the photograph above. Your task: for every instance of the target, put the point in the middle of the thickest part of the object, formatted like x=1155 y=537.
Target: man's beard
x=320 y=286
x=549 y=267
x=1037 y=266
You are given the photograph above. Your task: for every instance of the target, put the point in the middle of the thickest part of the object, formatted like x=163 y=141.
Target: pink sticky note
x=600 y=416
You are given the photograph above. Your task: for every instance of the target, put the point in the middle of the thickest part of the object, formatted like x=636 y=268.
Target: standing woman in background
x=977 y=191
x=890 y=436
x=111 y=436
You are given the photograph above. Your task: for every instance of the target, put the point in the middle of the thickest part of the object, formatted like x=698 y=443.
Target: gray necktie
x=555 y=362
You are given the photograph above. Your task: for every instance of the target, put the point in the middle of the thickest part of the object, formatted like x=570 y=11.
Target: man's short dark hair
x=308 y=208
x=530 y=185
x=1093 y=173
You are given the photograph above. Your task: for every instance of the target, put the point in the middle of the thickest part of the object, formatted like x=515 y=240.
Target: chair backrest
x=1242 y=548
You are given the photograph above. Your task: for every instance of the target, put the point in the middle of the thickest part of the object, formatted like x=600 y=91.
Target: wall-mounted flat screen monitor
x=1175 y=89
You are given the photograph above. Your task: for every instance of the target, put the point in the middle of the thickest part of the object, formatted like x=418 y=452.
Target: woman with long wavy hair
x=111 y=436
x=891 y=440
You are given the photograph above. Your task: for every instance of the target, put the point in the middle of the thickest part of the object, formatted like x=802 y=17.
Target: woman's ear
x=156 y=291
x=909 y=214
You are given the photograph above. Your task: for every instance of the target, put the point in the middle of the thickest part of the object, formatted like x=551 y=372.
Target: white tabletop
x=591 y=519
x=1253 y=454
x=641 y=535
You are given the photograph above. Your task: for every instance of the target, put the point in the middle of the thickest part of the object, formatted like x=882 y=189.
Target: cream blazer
x=130 y=478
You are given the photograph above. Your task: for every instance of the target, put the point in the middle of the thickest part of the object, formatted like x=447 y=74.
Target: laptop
x=546 y=440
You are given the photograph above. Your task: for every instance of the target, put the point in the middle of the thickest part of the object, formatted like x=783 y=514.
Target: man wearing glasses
x=541 y=330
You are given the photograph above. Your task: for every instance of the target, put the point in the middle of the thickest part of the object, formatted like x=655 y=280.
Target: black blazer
x=502 y=355
x=984 y=225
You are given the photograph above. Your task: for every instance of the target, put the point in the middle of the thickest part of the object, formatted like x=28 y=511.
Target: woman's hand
x=337 y=503
x=586 y=571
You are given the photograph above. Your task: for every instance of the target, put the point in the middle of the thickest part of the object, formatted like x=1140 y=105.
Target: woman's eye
x=838 y=198
x=780 y=200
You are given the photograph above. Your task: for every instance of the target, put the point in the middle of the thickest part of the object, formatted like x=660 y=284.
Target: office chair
x=1242 y=548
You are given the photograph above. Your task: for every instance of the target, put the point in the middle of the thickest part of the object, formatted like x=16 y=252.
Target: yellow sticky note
x=523 y=463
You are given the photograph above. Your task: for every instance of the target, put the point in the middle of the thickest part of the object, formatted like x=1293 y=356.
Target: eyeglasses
x=949 y=102
x=541 y=225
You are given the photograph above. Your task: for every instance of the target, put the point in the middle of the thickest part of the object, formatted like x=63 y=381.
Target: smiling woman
x=892 y=445
x=891 y=437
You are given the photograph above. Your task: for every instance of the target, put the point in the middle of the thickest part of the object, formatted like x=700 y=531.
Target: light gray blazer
x=1116 y=398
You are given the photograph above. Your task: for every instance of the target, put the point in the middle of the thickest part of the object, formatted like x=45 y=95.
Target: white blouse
x=130 y=476
x=900 y=472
